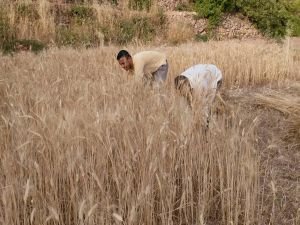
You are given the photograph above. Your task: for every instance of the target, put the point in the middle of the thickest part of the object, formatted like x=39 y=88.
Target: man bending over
x=147 y=65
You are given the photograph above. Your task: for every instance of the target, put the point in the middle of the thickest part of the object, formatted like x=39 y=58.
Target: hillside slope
x=36 y=24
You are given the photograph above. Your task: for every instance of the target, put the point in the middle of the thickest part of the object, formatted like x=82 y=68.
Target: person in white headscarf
x=199 y=85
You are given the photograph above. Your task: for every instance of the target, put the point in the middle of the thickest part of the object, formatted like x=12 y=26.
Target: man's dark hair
x=123 y=53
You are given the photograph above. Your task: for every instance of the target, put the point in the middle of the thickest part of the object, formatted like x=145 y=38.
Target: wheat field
x=82 y=144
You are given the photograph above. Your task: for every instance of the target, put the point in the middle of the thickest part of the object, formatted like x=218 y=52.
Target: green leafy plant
x=212 y=10
x=294 y=22
x=271 y=17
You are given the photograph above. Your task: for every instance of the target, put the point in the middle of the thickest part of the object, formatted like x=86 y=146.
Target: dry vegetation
x=179 y=32
x=81 y=144
x=77 y=25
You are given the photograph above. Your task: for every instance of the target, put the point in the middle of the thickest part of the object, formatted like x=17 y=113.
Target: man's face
x=126 y=63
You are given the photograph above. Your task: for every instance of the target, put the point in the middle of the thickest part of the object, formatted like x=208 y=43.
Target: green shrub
x=82 y=14
x=126 y=32
x=294 y=26
x=140 y=4
x=160 y=20
x=184 y=6
x=11 y=46
x=115 y=2
x=76 y=36
x=27 y=11
x=30 y=44
x=144 y=28
x=80 y=31
x=212 y=10
x=7 y=33
x=271 y=17
x=126 y=29
x=202 y=37
x=294 y=22
x=65 y=36
x=138 y=27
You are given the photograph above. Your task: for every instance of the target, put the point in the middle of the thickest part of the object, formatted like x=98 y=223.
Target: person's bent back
x=199 y=79
x=199 y=84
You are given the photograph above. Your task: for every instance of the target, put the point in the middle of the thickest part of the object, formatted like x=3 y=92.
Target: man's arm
x=138 y=71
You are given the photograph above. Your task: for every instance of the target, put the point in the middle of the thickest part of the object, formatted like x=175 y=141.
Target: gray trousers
x=160 y=75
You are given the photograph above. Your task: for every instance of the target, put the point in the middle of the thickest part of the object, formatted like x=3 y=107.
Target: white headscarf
x=203 y=76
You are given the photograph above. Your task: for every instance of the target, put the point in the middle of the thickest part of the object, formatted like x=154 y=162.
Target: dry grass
x=81 y=144
x=31 y=20
x=288 y=104
x=180 y=33
x=86 y=24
